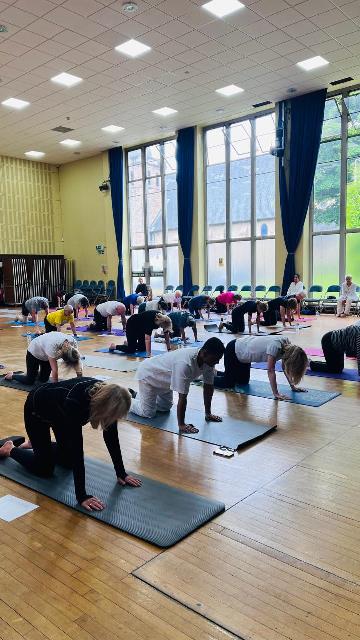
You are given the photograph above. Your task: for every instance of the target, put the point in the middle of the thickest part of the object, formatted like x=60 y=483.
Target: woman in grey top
x=335 y=345
x=78 y=301
x=32 y=306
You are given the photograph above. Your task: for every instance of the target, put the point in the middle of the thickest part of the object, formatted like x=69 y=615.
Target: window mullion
x=227 y=209
x=164 y=229
x=147 y=261
x=343 y=180
x=253 y=202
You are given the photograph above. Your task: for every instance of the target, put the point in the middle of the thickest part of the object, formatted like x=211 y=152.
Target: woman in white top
x=173 y=299
x=78 y=301
x=42 y=355
x=298 y=291
x=240 y=353
x=347 y=297
x=103 y=314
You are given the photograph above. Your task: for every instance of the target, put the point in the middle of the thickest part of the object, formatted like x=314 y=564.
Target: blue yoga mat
x=25 y=324
x=35 y=335
x=138 y=354
x=347 y=374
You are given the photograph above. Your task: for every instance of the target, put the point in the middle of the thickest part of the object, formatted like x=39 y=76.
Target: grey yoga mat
x=232 y=433
x=154 y=512
x=20 y=386
x=111 y=363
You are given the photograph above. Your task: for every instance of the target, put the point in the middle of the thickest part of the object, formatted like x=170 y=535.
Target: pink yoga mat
x=314 y=352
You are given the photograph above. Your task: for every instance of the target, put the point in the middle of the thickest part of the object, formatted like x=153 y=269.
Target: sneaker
x=132 y=392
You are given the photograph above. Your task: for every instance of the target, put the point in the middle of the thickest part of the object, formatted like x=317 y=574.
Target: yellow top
x=58 y=317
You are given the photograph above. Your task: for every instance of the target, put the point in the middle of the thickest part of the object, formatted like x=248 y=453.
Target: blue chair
x=260 y=288
x=246 y=288
x=218 y=289
x=233 y=288
x=179 y=288
x=329 y=302
x=313 y=301
x=169 y=288
x=275 y=289
x=206 y=291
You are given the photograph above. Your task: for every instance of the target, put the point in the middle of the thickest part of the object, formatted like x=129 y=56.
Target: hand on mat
x=93 y=504
x=188 y=428
x=211 y=418
x=299 y=390
x=133 y=482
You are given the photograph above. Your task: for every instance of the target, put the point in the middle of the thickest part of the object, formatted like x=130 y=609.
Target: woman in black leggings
x=334 y=345
x=65 y=407
x=139 y=328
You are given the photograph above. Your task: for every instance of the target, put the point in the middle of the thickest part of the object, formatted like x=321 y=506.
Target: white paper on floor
x=12 y=507
x=102 y=378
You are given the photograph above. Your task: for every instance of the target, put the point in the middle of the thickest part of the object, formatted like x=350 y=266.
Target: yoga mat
x=262 y=389
x=154 y=512
x=347 y=374
x=314 y=352
x=114 y=332
x=110 y=363
x=232 y=433
x=138 y=354
x=14 y=384
x=35 y=335
x=14 y=324
x=213 y=328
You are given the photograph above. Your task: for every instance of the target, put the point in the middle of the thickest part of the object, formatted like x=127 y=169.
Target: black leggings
x=43 y=456
x=235 y=372
x=334 y=359
x=270 y=318
x=49 y=327
x=33 y=365
x=135 y=341
x=237 y=324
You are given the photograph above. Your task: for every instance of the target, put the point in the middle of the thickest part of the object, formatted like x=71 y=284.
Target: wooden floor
x=283 y=562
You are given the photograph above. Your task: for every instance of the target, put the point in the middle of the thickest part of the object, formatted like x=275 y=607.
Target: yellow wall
x=30 y=213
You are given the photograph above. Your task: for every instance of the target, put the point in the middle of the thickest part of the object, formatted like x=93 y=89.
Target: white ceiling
x=192 y=55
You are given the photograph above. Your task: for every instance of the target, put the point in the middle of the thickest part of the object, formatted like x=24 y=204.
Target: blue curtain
x=185 y=156
x=116 y=164
x=296 y=176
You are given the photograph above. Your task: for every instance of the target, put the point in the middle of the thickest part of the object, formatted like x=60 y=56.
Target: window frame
x=228 y=240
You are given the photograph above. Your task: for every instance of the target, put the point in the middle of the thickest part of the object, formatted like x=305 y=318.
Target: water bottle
x=297 y=327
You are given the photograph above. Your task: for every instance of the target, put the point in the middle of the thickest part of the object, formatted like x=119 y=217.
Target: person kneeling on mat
x=131 y=301
x=225 y=301
x=280 y=306
x=139 y=328
x=55 y=319
x=78 y=301
x=174 y=371
x=337 y=343
x=180 y=320
x=240 y=353
x=237 y=324
x=32 y=307
x=42 y=355
x=65 y=408
x=103 y=314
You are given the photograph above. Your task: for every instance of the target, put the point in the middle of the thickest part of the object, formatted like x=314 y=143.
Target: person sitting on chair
x=237 y=324
x=78 y=301
x=32 y=306
x=335 y=344
x=42 y=357
x=66 y=407
x=103 y=314
x=297 y=290
x=139 y=328
x=347 y=297
x=55 y=320
x=174 y=371
x=282 y=307
x=240 y=353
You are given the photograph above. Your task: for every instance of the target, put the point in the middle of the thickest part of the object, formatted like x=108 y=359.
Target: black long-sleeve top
x=142 y=288
x=348 y=341
x=66 y=404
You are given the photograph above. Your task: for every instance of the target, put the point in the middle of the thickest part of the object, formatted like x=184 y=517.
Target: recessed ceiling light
x=230 y=90
x=70 y=143
x=222 y=8
x=165 y=111
x=112 y=128
x=132 y=48
x=66 y=79
x=14 y=103
x=129 y=7
x=34 y=154
x=3 y=28
x=312 y=63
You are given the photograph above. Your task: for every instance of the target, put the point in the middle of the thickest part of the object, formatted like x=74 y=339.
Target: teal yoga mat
x=262 y=389
x=137 y=354
x=113 y=364
x=154 y=512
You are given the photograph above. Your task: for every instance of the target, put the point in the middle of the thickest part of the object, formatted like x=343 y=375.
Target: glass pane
x=265 y=262
x=265 y=134
x=170 y=156
x=134 y=164
x=240 y=180
x=156 y=263
x=326 y=260
x=153 y=210
x=216 y=202
x=136 y=214
x=172 y=266
x=353 y=106
x=241 y=263
x=265 y=176
x=157 y=285
x=352 y=256
x=171 y=212
x=215 y=146
x=137 y=265
x=332 y=118
x=327 y=187
x=216 y=264
x=152 y=157
x=353 y=184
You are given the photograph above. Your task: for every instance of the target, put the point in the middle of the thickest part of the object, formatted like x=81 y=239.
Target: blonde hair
x=295 y=362
x=140 y=300
x=69 y=354
x=292 y=304
x=109 y=403
x=68 y=309
x=163 y=321
x=262 y=306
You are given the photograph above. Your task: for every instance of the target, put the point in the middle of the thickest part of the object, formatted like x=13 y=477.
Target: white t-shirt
x=296 y=289
x=175 y=370
x=108 y=308
x=47 y=345
x=349 y=291
x=152 y=305
x=258 y=348
x=75 y=300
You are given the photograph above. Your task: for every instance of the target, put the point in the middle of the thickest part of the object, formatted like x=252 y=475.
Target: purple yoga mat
x=114 y=332
x=347 y=374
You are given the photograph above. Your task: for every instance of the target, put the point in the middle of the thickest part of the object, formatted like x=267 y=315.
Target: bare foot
x=26 y=445
x=6 y=448
x=112 y=346
x=9 y=375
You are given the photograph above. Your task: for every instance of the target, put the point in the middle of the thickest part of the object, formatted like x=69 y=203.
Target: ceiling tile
x=242 y=18
x=153 y=18
x=267 y=7
x=259 y=28
x=174 y=28
x=12 y=48
x=314 y=38
x=68 y=19
x=108 y=18
x=53 y=48
x=284 y=18
x=154 y=39
x=175 y=8
x=70 y=38
x=352 y=9
x=131 y=29
x=76 y=57
x=197 y=17
x=37 y=7
x=350 y=38
x=276 y=37
x=328 y=18
x=45 y=28
x=342 y=28
x=194 y=39
x=233 y=39
x=172 y=48
x=83 y=7
x=264 y=56
x=216 y=29
x=312 y=8
x=288 y=47
x=301 y=28
x=190 y=56
x=18 y=17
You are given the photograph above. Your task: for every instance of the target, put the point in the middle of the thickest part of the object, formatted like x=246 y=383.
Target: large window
x=335 y=206
x=240 y=203
x=153 y=219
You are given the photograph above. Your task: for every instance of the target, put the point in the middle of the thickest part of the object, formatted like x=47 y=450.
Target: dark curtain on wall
x=116 y=165
x=296 y=176
x=185 y=156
